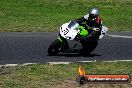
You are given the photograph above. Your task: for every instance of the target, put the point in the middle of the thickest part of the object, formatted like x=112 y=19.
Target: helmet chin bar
x=92 y=19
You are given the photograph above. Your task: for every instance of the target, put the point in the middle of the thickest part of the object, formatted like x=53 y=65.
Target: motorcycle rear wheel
x=88 y=47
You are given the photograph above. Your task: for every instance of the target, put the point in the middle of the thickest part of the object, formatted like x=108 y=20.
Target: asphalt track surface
x=31 y=47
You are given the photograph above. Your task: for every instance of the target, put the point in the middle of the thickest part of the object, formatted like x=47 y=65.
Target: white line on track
x=119 y=36
x=11 y=65
x=51 y=63
x=28 y=64
x=54 y=63
x=125 y=60
x=87 y=62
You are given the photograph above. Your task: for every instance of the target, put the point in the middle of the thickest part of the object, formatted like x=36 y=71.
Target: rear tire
x=89 y=46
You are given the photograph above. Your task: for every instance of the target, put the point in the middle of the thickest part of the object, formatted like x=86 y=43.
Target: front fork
x=64 y=42
x=61 y=39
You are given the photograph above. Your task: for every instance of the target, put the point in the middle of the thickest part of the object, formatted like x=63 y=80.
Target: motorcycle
x=69 y=32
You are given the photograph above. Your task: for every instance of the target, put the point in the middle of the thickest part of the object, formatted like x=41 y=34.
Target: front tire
x=56 y=47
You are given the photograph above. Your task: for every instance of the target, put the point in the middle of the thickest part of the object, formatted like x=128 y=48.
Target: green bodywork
x=59 y=39
x=83 y=31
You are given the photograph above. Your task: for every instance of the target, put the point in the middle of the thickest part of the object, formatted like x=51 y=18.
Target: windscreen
x=73 y=25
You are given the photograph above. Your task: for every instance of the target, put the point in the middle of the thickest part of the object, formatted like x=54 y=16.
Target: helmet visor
x=92 y=17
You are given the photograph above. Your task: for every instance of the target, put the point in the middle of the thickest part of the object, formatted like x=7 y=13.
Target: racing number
x=66 y=31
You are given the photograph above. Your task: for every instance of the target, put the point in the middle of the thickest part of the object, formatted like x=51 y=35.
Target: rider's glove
x=96 y=29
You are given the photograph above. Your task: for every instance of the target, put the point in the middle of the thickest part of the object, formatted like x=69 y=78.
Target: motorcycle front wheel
x=56 y=47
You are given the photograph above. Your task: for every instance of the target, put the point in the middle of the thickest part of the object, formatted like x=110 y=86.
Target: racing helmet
x=93 y=13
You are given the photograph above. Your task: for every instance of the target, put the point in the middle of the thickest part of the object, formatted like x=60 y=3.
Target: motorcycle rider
x=92 y=22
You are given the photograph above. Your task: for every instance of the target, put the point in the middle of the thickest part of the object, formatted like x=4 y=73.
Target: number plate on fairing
x=67 y=32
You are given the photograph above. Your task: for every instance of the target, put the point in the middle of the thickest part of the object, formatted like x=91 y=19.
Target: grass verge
x=59 y=76
x=48 y=15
